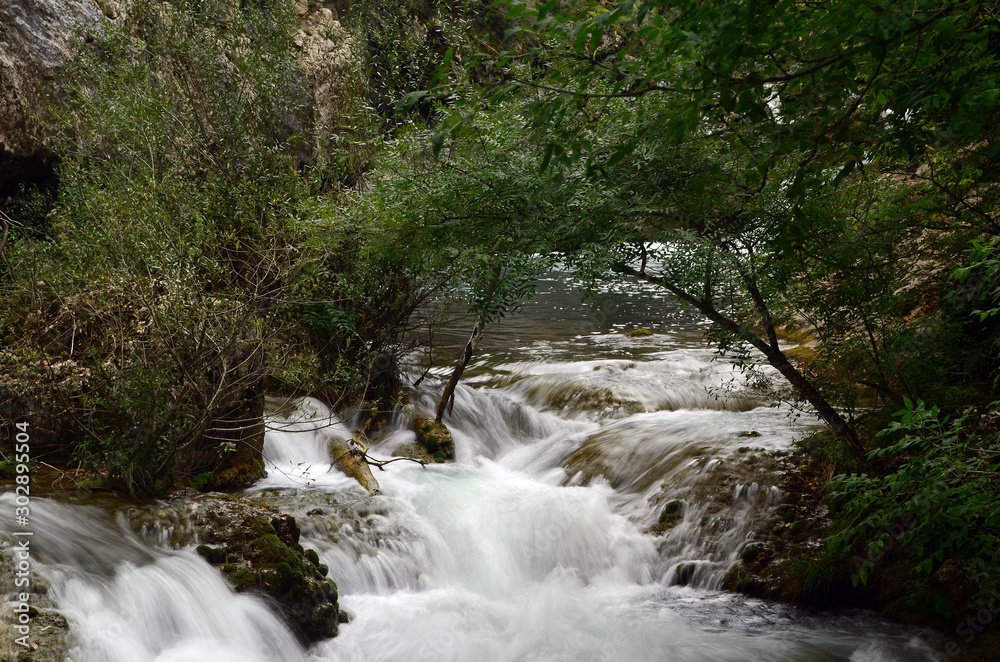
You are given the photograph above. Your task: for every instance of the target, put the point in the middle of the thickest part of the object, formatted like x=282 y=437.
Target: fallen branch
x=381 y=463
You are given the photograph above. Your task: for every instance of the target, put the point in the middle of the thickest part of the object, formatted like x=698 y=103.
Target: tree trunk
x=825 y=410
x=353 y=463
x=448 y=396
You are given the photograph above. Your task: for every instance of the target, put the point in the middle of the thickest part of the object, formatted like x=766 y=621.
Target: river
x=535 y=545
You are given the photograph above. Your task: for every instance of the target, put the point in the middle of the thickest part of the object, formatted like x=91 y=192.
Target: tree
x=723 y=132
x=473 y=216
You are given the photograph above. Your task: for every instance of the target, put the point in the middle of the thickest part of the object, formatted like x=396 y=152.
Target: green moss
x=290 y=577
x=202 y=481
x=242 y=578
x=801 y=354
x=791 y=334
x=269 y=549
x=436 y=438
x=671 y=514
x=638 y=333
x=263 y=526
x=8 y=469
x=312 y=556
x=213 y=555
x=752 y=553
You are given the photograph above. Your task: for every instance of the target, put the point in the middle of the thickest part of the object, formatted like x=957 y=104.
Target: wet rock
x=436 y=438
x=672 y=513
x=783 y=562
x=415 y=452
x=740 y=579
x=683 y=573
x=49 y=636
x=259 y=552
x=752 y=553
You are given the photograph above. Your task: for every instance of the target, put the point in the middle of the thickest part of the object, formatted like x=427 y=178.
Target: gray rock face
x=34 y=39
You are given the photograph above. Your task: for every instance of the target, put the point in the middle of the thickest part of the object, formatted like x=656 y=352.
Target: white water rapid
x=533 y=546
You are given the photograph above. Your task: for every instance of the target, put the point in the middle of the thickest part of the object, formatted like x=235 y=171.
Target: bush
x=937 y=503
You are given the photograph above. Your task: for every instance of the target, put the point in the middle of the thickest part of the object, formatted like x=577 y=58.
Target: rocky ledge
x=257 y=549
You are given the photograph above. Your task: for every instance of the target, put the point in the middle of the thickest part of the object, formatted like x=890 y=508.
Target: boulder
x=35 y=36
x=258 y=551
x=436 y=438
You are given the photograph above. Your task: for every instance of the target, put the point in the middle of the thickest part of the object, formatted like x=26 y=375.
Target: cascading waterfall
x=532 y=546
x=129 y=602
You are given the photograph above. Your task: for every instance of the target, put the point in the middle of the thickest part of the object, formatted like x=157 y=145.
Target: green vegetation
x=935 y=509
x=202 y=247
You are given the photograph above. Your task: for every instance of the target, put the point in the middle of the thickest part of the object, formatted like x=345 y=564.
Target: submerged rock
x=258 y=551
x=671 y=514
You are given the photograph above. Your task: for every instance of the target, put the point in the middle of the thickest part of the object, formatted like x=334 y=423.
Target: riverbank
x=789 y=560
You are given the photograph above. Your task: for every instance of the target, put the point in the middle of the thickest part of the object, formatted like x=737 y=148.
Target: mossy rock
x=414 y=451
x=50 y=632
x=202 y=481
x=436 y=438
x=213 y=555
x=752 y=553
x=801 y=354
x=741 y=580
x=258 y=551
x=671 y=514
x=639 y=333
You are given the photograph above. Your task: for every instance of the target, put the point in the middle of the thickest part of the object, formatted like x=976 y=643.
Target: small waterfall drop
x=129 y=602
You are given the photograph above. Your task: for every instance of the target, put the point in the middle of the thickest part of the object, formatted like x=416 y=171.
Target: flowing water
x=534 y=545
